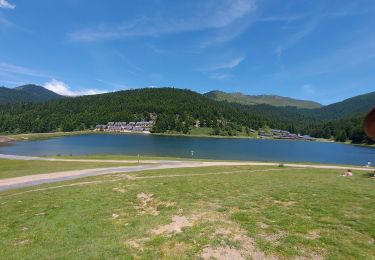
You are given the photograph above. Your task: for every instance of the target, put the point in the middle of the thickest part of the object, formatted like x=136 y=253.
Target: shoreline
x=8 y=138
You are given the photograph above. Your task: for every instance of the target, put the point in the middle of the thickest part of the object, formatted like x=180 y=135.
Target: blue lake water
x=208 y=148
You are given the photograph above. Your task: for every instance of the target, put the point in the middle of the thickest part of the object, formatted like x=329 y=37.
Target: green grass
x=201 y=131
x=207 y=132
x=284 y=213
x=42 y=136
x=17 y=168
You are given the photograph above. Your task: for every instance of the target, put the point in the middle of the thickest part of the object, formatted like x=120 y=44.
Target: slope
x=26 y=93
x=272 y=100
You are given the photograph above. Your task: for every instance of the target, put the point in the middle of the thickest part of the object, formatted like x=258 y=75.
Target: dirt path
x=121 y=176
x=32 y=180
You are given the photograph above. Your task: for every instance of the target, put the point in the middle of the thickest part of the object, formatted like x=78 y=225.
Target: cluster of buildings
x=124 y=127
x=281 y=134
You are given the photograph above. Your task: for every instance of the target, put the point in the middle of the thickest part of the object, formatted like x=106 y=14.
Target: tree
x=341 y=136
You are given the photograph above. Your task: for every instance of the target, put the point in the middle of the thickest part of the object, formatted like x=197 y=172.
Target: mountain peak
x=26 y=93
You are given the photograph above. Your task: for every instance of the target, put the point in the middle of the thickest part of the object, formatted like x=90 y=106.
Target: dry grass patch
x=22 y=242
x=119 y=189
x=177 y=250
x=147 y=204
x=312 y=234
x=273 y=237
x=176 y=226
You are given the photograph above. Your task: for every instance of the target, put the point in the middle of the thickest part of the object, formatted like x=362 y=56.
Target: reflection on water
x=210 y=148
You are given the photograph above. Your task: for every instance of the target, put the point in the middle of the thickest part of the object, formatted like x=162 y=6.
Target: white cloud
x=228 y=33
x=61 y=88
x=304 y=28
x=351 y=57
x=5 y=4
x=297 y=36
x=225 y=65
x=231 y=64
x=221 y=69
x=206 y=15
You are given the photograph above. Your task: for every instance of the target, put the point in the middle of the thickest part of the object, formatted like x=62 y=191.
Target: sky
x=321 y=50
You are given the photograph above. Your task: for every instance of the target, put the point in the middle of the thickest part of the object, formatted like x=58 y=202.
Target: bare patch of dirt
x=136 y=244
x=121 y=190
x=286 y=204
x=176 y=226
x=147 y=204
x=248 y=248
x=233 y=233
x=221 y=253
x=312 y=234
x=308 y=255
x=22 y=242
x=180 y=222
x=263 y=225
x=273 y=237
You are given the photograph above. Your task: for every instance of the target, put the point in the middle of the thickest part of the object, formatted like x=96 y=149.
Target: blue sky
x=321 y=50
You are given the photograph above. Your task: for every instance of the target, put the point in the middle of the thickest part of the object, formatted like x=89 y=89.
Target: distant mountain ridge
x=272 y=100
x=26 y=93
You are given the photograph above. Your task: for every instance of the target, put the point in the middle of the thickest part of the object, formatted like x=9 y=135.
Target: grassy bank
x=41 y=136
x=17 y=168
x=188 y=213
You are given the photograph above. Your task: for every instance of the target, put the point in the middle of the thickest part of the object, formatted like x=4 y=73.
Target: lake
x=205 y=148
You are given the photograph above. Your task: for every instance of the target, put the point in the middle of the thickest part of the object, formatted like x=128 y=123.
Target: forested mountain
x=178 y=110
x=347 y=108
x=26 y=93
x=272 y=100
x=175 y=108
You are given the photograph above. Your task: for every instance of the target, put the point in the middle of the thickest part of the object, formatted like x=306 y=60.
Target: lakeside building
x=124 y=127
x=282 y=134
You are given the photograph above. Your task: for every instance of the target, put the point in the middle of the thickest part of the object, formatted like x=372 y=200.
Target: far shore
x=8 y=138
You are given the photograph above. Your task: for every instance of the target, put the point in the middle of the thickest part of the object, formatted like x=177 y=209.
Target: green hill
x=272 y=100
x=178 y=110
x=26 y=93
x=175 y=108
x=348 y=108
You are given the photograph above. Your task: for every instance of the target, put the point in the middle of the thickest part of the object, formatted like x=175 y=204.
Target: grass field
x=17 y=168
x=238 y=212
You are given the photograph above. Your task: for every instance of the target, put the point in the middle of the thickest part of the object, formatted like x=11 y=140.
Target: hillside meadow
x=237 y=212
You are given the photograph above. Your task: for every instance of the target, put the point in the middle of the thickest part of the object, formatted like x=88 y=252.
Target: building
x=124 y=127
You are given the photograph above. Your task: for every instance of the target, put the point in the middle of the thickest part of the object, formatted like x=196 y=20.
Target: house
x=123 y=127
